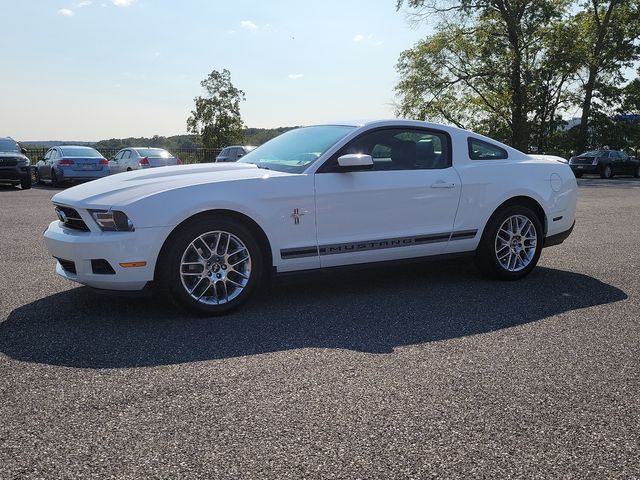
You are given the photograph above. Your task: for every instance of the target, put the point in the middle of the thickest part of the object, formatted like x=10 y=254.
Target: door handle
x=441 y=184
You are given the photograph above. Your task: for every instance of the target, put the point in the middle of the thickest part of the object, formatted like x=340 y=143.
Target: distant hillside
x=252 y=136
x=50 y=143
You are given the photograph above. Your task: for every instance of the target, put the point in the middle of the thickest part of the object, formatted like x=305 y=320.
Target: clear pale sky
x=89 y=70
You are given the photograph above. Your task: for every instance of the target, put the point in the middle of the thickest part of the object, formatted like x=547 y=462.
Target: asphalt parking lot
x=404 y=372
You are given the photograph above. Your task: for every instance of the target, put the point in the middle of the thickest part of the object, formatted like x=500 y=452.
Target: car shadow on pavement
x=374 y=311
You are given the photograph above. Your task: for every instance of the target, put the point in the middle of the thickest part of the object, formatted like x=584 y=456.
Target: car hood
x=127 y=187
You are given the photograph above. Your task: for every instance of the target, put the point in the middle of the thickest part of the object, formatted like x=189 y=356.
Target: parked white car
x=134 y=158
x=315 y=197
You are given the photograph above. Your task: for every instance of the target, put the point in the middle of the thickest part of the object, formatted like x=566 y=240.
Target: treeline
x=515 y=70
x=251 y=136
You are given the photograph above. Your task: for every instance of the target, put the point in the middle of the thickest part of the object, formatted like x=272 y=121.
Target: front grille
x=582 y=161
x=67 y=265
x=8 y=162
x=71 y=218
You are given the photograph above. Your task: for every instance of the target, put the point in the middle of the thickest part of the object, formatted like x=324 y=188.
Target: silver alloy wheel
x=215 y=268
x=515 y=244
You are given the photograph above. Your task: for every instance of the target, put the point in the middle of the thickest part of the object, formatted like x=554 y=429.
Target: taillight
x=66 y=161
x=144 y=161
x=103 y=162
x=178 y=161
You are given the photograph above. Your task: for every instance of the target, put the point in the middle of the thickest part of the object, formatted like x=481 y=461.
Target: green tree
x=609 y=32
x=479 y=68
x=216 y=117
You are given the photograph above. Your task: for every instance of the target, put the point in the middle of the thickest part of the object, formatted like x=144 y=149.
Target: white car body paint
x=313 y=219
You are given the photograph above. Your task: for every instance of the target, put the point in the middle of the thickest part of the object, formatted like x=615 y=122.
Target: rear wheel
x=54 y=179
x=211 y=266
x=607 y=172
x=511 y=243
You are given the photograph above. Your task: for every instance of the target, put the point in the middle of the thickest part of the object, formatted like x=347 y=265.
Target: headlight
x=112 y=220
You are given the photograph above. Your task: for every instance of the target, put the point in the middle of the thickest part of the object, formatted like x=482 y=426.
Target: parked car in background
x=15 y=166
x=134 y=158
x=70 y=163
x=315 y=197
x=233 y=153
x=604 y=162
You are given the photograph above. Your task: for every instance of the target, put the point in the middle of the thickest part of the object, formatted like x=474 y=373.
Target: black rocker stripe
x=375 y=244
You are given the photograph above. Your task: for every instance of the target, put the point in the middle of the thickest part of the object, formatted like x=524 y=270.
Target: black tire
x=54 y=179
x=637 y=172
x=486 y=256
x=36 y=177
x=578 y=174
x=25 y=183
x=128 y=169
x=170 y=279
x=607 y=172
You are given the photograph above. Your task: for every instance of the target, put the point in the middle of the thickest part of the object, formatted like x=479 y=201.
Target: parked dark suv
x=15 y=167
x=605 y=163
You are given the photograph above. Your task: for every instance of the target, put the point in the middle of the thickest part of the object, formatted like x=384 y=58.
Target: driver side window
x=403 y=149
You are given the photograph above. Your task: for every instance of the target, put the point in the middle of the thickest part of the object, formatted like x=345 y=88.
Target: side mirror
x=355 y=161
x=23 y=150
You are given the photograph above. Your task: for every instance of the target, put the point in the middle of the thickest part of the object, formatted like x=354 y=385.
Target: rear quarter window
x=481 y=150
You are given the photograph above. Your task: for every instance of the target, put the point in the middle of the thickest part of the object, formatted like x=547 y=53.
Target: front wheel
x=607 y=172
x=511 y=243
x=25 y=183
x=211 y=266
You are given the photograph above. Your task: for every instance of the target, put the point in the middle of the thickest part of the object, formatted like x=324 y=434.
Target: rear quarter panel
x=487 y=184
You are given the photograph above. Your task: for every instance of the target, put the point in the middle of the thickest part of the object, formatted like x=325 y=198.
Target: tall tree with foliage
x=216 y=117
x=609 y=33
x=480 y=66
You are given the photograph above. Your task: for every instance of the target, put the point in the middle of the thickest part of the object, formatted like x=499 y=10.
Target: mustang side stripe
x=375 y=244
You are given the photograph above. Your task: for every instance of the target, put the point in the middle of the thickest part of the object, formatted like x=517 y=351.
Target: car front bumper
x=14 y=174
x=79 y=252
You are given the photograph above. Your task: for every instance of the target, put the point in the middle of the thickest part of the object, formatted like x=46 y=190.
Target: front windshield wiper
x=260 y=166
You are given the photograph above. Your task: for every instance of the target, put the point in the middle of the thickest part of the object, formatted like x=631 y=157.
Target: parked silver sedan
x=233 y=153
x=134 y=158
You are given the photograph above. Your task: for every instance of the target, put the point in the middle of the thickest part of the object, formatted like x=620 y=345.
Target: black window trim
x=505 y=156
x=328 y=165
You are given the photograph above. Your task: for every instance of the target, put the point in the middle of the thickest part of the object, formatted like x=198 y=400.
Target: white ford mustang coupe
x=315 y=197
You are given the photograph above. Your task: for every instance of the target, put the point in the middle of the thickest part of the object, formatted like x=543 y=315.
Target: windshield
x=153 y=152
x=80 y=152
x=8 y=145
x=294 y=150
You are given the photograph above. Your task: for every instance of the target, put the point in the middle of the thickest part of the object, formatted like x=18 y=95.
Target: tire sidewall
x=170 y=279
x=486 y=256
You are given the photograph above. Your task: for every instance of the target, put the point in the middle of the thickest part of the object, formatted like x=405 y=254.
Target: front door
x=404 y=207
